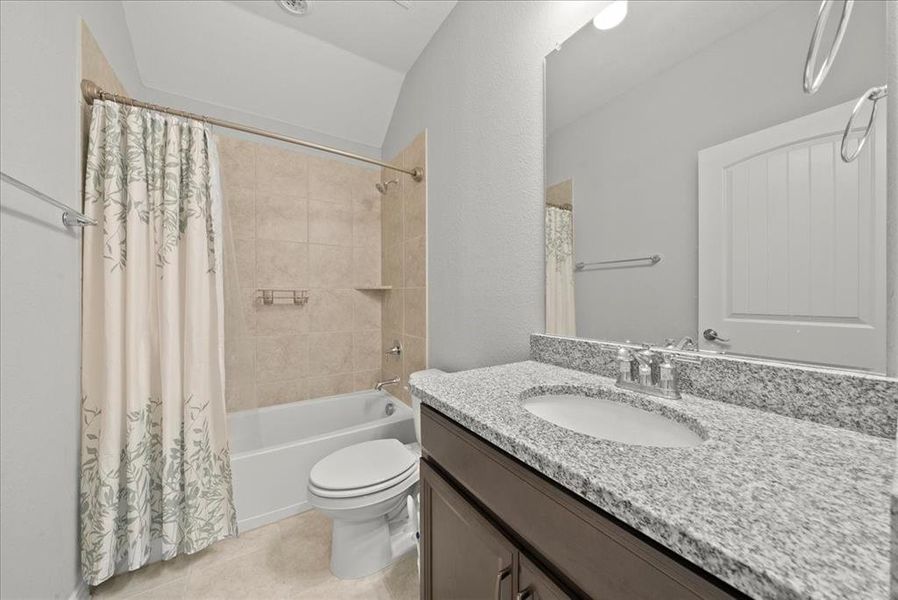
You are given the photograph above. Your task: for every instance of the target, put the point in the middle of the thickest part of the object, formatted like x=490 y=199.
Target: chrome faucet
x=380 y=384
x=656 y=373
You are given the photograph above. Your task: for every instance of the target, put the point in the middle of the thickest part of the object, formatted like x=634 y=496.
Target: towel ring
x=813 y=82
x=874 y=94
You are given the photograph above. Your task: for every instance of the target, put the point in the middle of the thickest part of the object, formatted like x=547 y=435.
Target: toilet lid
x=362 y=465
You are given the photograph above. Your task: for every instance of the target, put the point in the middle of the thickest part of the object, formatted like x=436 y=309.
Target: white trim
x=270 y=517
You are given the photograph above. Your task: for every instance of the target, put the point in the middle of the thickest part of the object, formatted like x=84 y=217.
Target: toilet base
x=362 y=548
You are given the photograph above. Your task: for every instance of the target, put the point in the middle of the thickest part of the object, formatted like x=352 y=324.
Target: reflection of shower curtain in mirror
x=560 y=272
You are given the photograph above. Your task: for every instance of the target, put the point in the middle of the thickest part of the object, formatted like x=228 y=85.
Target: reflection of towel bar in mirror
x=270 y=297
x=652 y=260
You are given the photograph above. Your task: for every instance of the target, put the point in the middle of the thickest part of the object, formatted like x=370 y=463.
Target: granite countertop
x=775 y=506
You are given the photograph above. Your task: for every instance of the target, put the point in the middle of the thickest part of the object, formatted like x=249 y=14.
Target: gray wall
x=478 y=90
x=634 y=161
x=40 y=285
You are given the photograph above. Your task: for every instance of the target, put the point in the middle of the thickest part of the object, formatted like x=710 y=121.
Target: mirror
x=695 y=190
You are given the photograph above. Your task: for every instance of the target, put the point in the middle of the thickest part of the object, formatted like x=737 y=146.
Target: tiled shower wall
x=294 y=220
x=404 y=242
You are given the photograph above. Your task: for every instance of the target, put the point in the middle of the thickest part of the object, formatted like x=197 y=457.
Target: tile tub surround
x=404 y=267
x=775 y=506
x=850 y=400
x=296 y=220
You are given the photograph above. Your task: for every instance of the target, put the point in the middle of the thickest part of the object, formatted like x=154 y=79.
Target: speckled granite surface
x=775 y=506
x=856 y=401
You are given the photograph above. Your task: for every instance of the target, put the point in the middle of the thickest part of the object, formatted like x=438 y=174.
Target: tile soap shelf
x=271 y=297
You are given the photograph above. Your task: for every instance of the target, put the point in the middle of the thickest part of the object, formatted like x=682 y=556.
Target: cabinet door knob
x=525 y=594
x=500 y=577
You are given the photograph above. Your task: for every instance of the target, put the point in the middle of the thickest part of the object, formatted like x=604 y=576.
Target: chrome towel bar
x=653 y=260
x=70 y=216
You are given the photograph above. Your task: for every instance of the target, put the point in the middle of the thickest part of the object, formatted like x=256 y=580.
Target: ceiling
x=337 y=70
x=593 y=66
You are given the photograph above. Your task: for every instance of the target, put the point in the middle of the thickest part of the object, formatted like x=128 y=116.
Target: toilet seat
x=363 y=469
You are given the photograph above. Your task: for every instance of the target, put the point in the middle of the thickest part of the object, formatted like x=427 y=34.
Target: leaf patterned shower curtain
x=560 y=314
x=155 y=469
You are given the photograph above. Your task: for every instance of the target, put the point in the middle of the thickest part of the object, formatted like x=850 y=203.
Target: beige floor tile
x=174 y=590
x=288 y=559
x=126 y=585
x=401 y=578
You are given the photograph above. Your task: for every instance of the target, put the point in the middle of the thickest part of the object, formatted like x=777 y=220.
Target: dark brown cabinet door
x=463 y=556
x=536 y=585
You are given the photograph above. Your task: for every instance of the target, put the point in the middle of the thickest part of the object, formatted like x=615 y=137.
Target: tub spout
x=381 y=384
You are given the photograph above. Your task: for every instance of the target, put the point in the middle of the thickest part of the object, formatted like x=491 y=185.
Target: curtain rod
x=92 y=91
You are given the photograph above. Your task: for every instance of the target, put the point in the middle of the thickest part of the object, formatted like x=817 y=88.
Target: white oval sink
x=610 y=420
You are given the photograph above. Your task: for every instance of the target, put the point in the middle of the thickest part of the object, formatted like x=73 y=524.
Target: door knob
x=713 y=336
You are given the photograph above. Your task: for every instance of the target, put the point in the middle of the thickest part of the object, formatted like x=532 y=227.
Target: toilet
x=365 y=489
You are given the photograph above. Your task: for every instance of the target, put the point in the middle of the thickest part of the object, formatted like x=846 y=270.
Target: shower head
x=382 y=187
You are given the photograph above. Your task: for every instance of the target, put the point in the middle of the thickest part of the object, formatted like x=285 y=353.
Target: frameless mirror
x=695 y=190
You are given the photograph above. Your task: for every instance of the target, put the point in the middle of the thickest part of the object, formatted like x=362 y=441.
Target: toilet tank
x=416 y=402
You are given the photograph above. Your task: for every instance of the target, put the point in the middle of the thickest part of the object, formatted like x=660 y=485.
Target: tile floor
x=287 y=559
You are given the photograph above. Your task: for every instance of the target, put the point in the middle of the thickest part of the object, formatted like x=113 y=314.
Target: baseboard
x=81 y=591
x=270 y=517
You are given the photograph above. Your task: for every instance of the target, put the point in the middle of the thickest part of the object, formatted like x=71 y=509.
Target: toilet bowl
x=364 y=488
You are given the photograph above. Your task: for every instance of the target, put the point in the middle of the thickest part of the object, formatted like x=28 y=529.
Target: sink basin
x=610 y=420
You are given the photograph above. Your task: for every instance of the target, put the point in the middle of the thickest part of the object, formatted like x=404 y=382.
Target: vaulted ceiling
x=337 y=69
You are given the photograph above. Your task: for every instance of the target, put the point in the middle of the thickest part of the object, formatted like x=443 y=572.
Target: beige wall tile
x=240 y=367
x=331 y=310
x=238 y=163
x=281 y=265
x=414 y=154
x=366 y=351
x=330 y=385
x=282 y=392
x=413 y=209
x=414 y=263
x=364 y=182
x=366 y=228
x=366 y=267
x=391 y=265
x=330 y=353
x=330 y=266
x=393 y=310
x=391 y=366
x=279 y=319
x=367 y=308
x=330 y=180
x=282 y=358
x=391 y=216
x=241 y=212
x=415 y=311
x=245 y=322
x=281 y=172
x=282 y=218
x=414 y=355
x=365 y=380
x=245 y=256
x=330 y=223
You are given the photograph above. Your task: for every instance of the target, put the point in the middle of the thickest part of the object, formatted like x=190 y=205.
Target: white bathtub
x=274 y=448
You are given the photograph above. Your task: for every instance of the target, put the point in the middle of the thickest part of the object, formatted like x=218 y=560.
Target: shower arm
x=92 y=91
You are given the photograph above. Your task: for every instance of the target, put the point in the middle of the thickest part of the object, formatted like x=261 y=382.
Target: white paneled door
x=792 y=244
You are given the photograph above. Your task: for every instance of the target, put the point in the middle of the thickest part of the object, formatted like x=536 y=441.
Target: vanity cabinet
x=493 y=527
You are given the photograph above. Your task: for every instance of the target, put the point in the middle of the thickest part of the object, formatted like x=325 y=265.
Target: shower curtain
x=155 y=469
x=560 y=272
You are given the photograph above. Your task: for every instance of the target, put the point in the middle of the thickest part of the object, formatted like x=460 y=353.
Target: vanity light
x=611 y=16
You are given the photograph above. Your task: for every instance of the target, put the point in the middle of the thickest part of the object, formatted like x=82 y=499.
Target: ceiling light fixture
x=611 y=16
x=295 y=7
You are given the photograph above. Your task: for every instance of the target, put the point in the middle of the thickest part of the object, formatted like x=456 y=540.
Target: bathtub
x=274 y=448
